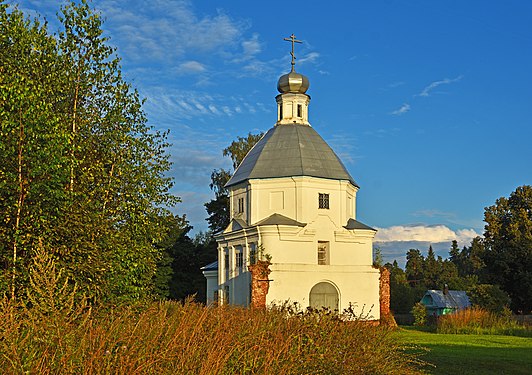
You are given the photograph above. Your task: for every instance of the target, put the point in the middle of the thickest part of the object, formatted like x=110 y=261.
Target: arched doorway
x=324 y=295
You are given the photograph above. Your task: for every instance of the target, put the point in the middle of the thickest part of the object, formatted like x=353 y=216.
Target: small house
x=442 y=302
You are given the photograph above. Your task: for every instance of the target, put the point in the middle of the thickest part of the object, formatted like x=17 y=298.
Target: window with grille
x=323 y=252
x=323 y=201
x=240 y=205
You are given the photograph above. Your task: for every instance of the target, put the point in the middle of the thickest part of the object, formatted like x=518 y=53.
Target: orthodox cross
x=293 y=40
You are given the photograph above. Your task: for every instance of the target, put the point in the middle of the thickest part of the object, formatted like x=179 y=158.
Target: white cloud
x=402 y=110
x=192 y=67
x=165 y=29
x=393 y=85
x=426 y=91
x=251 y=47
x=434 y=213
x=310 y=57
x=432 y=234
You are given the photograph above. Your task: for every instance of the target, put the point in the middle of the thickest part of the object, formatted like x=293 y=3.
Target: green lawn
x=472 y=354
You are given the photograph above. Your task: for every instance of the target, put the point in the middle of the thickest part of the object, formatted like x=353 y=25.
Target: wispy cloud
x=251 y=47
x=190 y=67
x=167 y=30
x=393 y=85
x=401 y=110
x=310 y=57
x=434 y=213
x=179 y=105
x=426 y=91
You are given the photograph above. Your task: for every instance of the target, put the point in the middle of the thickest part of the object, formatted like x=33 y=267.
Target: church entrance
x=324 y=295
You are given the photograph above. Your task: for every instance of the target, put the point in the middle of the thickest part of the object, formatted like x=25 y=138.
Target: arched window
x=324 y=295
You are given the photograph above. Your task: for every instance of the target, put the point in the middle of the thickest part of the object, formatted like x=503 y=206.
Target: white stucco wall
x=294 y=248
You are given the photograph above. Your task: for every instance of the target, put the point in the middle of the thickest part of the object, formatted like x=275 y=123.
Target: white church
x=293 y=205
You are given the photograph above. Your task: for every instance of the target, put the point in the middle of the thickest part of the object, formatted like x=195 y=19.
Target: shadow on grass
x=466 y=359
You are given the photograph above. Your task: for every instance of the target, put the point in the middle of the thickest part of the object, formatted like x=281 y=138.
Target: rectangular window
x=226 y=260
x=240 y=205
x=226 y=264
x=323 y=201
x=239 y=259
x=252 y=254
x=323 y=252
x=299 y=110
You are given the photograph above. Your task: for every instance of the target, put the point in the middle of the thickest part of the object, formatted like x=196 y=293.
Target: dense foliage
x=80 y=170
x=494 y=270
x=508 y=246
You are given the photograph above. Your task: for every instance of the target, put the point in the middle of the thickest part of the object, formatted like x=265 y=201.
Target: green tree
x=414 y=266
x=489 y=297
x=377 y=257
x=472 y=263
x=508 y=246
x=238 y=149
x=218 y=208
x=402 y=296
x=80 y=168
x=431 y=270
x=31 y=174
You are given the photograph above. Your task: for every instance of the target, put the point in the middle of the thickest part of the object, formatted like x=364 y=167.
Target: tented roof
x=291 y=150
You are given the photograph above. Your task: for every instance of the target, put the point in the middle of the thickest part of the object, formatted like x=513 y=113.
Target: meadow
x=470 y=354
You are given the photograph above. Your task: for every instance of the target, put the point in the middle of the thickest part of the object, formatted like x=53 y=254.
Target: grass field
x=471 y=354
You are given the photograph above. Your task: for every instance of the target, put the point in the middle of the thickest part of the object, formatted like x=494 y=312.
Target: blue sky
x=427 y=103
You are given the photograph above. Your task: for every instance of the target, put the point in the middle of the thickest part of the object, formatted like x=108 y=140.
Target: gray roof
x=457 y=299
x=354 y=224
x=211 y=266
x=235 y=224
x=291 y=150
x=278 y=219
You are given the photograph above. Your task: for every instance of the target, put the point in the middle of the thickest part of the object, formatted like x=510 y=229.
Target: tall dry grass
x=188 y=338
x=55 y=332
x=478 y=321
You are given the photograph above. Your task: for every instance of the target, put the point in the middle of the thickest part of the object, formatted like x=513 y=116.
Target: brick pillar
x=384 y=298
x=259 y=283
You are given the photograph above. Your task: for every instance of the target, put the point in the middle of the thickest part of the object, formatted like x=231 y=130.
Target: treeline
x=496 y=271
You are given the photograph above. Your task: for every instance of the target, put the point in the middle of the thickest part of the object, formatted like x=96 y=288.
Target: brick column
x=384 y=298
x=259 y=283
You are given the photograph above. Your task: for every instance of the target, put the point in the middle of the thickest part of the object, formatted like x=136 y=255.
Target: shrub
x=480 y=321
x=419 y=311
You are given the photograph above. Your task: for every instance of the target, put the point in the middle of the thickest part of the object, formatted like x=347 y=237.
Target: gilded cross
x=293 y=40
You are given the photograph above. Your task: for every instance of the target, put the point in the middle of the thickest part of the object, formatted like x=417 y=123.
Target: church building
x=293 y=211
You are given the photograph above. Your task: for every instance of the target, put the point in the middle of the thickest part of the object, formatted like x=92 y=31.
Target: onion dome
x=293 y=82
